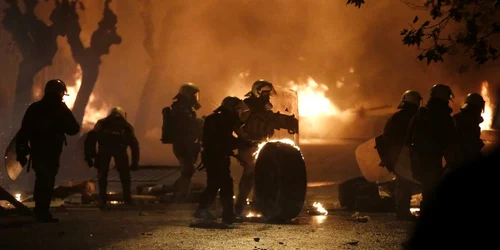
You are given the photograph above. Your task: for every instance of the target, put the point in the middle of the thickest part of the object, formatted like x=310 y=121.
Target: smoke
x=225 y=45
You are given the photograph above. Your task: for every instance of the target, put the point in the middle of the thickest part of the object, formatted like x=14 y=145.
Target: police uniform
x=186 y=145
x=431 y=136
x=42 y=135
x=395 y=135
x=218 y=146
x=113 y=135
x=468 y=130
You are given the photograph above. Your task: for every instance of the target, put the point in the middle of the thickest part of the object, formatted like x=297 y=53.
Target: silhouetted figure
x=258 y=100
x=462 y=211
x=113 y=135
x=393 y=139
x=431 y=136
x=43 y=132
x=187 y=129
x=469 y=132
x=218 y=146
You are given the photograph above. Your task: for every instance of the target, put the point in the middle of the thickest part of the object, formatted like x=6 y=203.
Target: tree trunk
x=147 y=111
x=90 y=71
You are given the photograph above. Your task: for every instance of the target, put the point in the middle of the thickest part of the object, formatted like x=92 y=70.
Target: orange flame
x=93 y=111
x=284 y=140
x=488 y=108
x=312 y=99
x=319 y=207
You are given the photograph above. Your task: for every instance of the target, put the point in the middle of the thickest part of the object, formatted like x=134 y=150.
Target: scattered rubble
x=357 y=217
x=256 y=239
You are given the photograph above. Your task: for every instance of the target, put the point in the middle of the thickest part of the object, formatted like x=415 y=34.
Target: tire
x=280 y=182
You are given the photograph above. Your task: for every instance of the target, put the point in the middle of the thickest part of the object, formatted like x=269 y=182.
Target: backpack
x=167 y=129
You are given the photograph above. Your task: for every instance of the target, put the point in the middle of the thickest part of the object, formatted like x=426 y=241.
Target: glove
x=22 y=160
x=134 y=167
x=252 y=144
x=90 y=162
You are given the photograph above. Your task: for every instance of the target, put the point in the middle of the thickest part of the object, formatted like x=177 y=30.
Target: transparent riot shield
x=285 y=102
x=12 y=166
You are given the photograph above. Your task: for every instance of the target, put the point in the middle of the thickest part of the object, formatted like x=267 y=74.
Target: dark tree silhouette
x=37 y=43
x=475 y=32
x=89 y=58
x=157 y=61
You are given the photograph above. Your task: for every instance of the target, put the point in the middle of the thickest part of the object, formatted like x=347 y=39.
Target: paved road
x=172 y=227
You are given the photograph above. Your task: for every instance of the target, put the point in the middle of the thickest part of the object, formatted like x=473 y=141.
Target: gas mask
x=265 y=100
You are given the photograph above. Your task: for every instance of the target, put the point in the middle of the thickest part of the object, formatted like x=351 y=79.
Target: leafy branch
x=475 y=24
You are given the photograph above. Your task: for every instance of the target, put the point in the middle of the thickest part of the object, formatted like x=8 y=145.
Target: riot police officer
x=187 y=130
x=432 y=136
x=469 y=132
x=393 y=139
x=260 y=125
x=113 y=135
x=43 y=132
x=218 y=146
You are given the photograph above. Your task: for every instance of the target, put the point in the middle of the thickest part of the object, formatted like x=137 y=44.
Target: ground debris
x=147 y=234
x=142 y=213
x=281 y=243
x=256 y=239
x=353 y=242
x=357 y=217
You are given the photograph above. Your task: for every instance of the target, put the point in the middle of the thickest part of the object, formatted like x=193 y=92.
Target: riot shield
x=368 y=160
x=12 y=166
x=285 y=102
x=280 y=170
x=403 y=164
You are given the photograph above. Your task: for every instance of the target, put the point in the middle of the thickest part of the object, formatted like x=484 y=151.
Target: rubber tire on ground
x=280 y=182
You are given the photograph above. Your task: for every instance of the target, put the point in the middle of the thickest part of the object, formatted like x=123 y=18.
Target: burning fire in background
x=312 y=99
x=94 y=111
x=488 y=107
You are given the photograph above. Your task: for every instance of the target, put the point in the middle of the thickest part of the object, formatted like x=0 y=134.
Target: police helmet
x=118 y=111
x=442 y=92
x=260 y=87
x=410 y=96
x=190 y=90
x=474 y=99
x=55 y=86
x=236 y=105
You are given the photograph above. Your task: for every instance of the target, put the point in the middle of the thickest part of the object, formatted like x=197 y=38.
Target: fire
x=488 y=108
x=320 y=208
x=93 y=111
x=312 y=99
x=253 y=214
x=70 y=98
x=414 y=210
x=286 y=140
